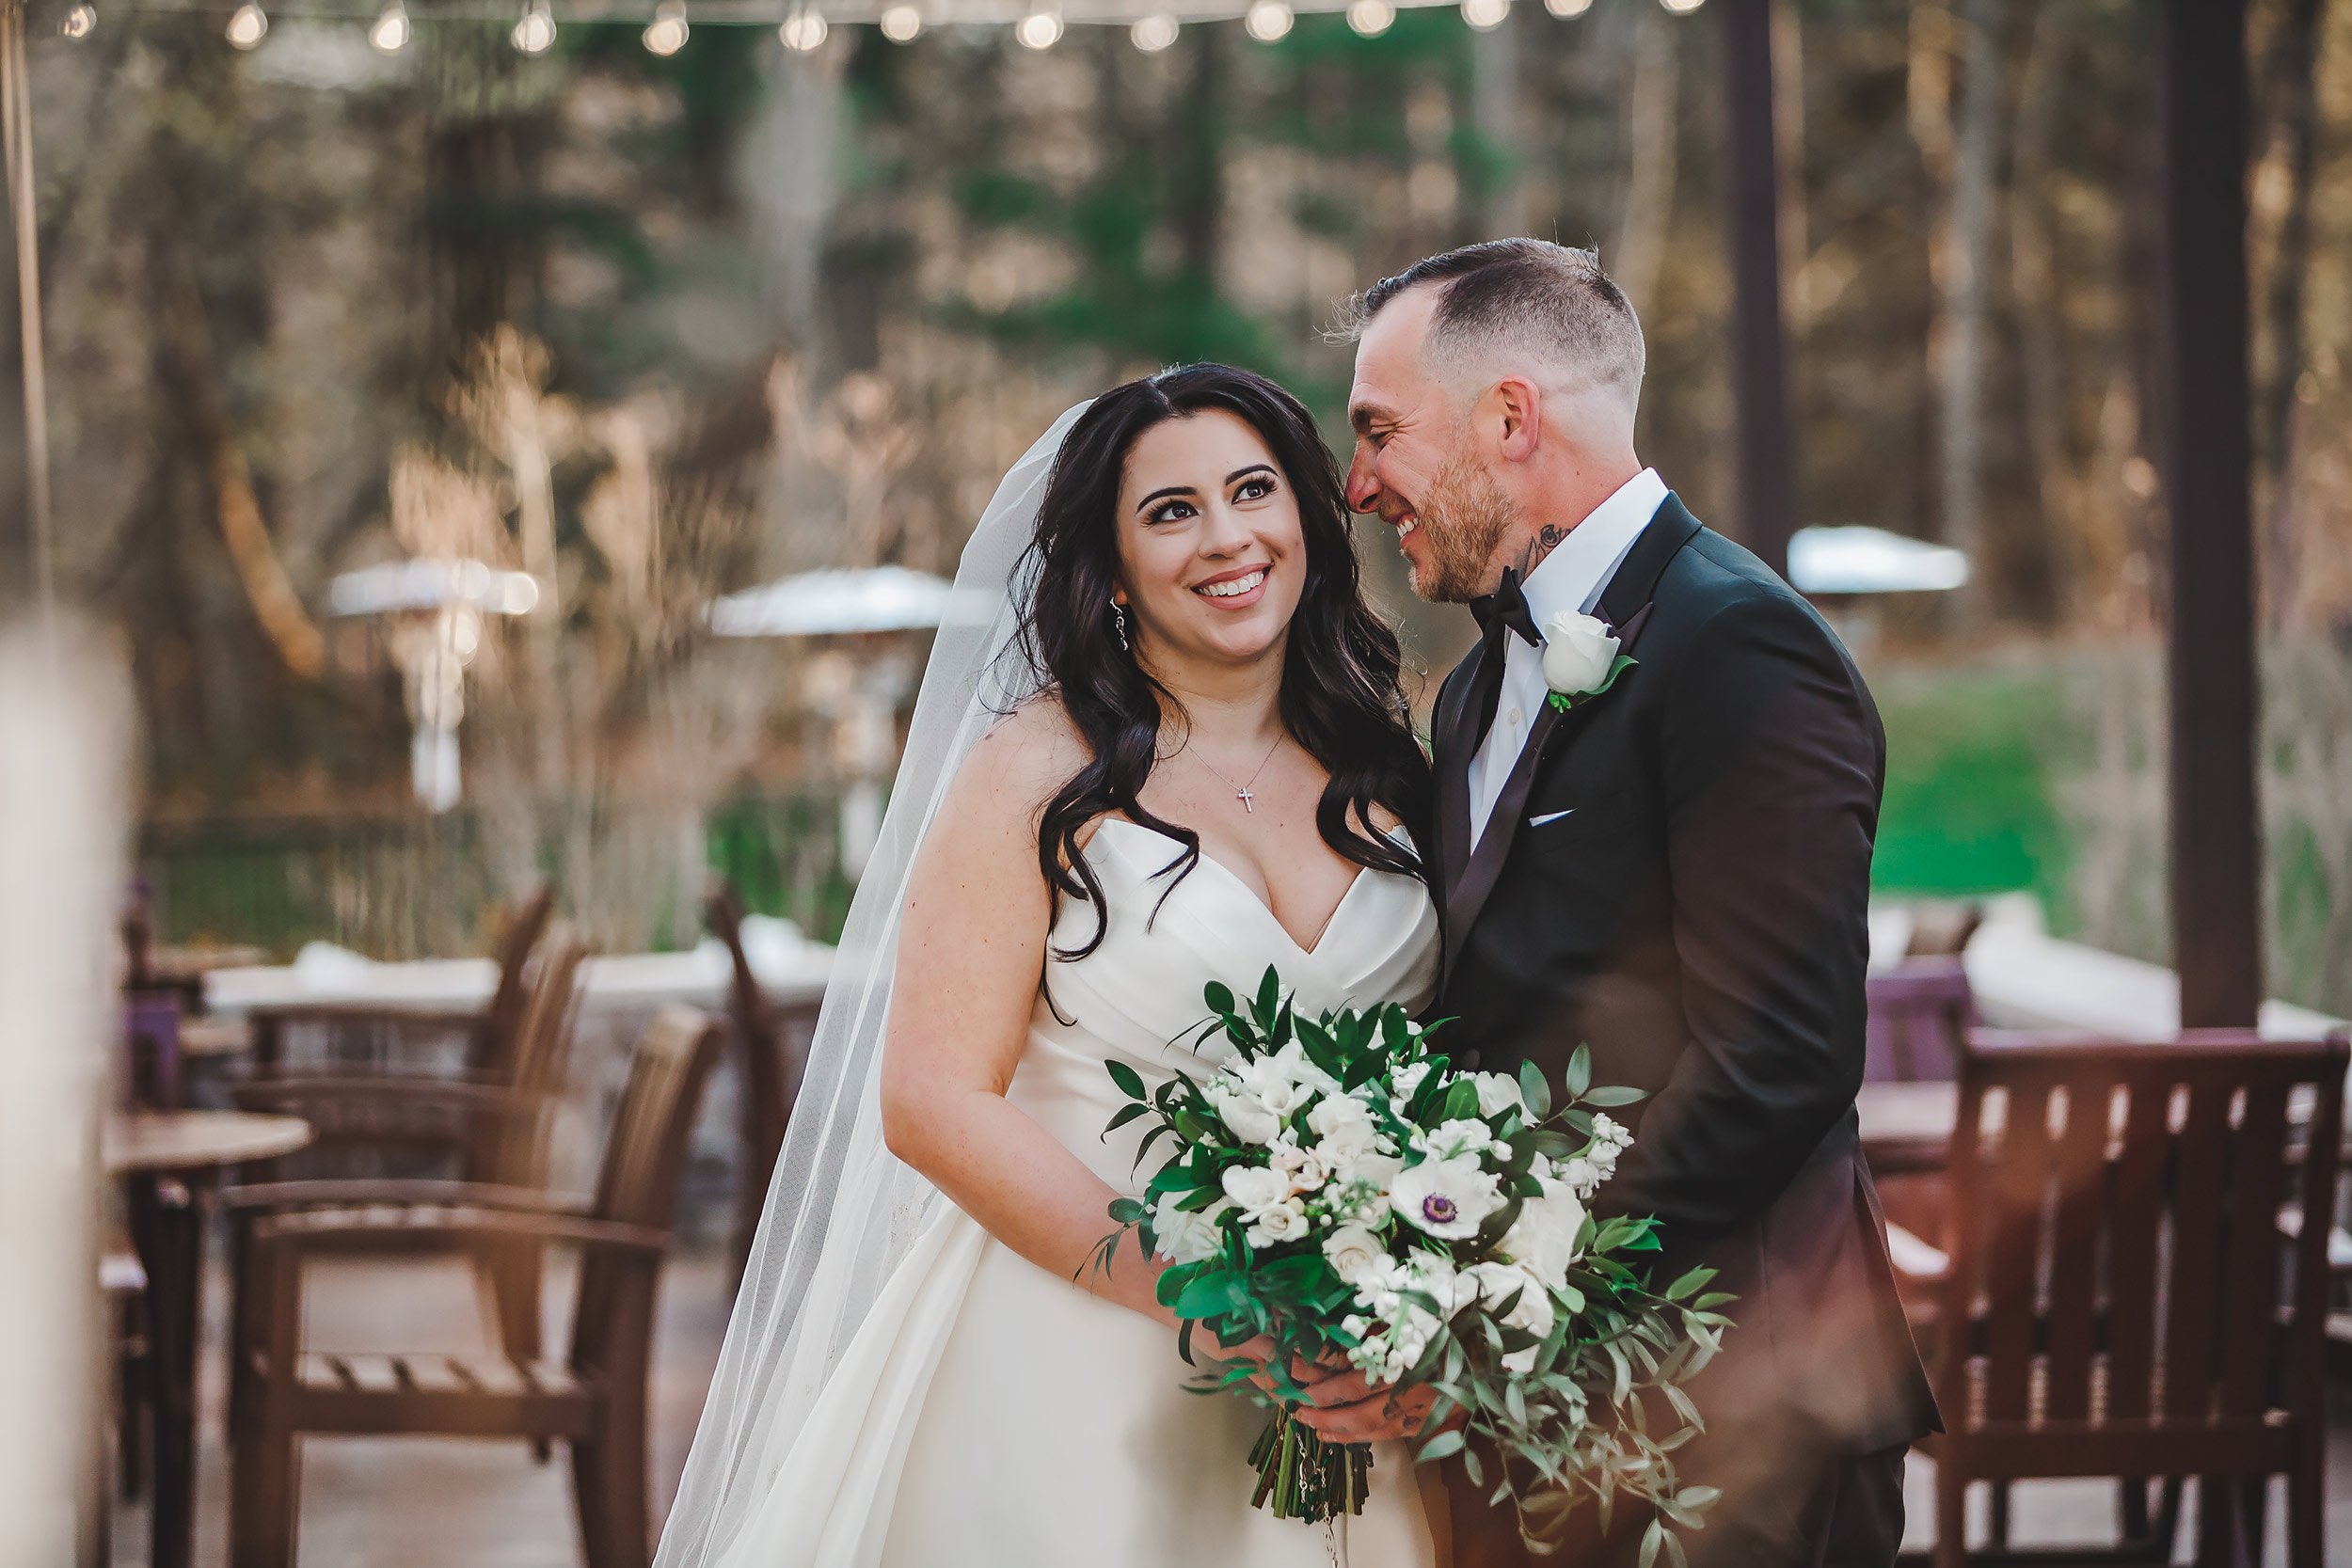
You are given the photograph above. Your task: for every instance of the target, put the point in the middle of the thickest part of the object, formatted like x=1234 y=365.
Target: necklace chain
x=1241 y=791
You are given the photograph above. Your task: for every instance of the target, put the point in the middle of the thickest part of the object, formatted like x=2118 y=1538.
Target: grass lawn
x=1969 y=755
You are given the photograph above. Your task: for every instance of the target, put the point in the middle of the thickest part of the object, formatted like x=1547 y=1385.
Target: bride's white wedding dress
x=989 y=1415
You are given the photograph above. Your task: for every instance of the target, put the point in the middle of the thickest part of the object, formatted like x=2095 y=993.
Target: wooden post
x=2217 y=838
x=1759 y=346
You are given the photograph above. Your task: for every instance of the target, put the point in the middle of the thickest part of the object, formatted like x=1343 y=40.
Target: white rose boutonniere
x=1580 y=659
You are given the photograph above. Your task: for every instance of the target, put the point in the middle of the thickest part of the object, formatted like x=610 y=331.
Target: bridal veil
x=842 y=1212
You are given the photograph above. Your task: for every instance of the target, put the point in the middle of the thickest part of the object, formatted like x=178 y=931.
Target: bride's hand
x=1347 y=1409
x=1259 y=1350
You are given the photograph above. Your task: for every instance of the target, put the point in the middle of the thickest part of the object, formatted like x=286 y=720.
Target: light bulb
x=666 y=34
x=804 y=32
x=80 y=21
x=536 y=33
x=1682 y=7
x=1567 y=7
x=1485 y=15
x=1267 y=20
x=247 y=26
x=901 y=23
x=1370 y=18
x=388 y=33
x=1039 y=30
x=1154 y=33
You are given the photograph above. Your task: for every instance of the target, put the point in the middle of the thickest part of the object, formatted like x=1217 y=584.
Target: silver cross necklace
x=1242 y=791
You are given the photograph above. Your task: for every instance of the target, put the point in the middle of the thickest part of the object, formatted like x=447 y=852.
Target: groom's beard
x=1464 y=520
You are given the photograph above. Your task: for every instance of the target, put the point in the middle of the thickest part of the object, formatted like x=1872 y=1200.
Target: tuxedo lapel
x=1447 y=727
x=1625 y=604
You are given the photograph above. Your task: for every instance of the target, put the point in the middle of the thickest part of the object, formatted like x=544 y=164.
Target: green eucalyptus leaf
x=1534 y=1089
x=1611 y=1095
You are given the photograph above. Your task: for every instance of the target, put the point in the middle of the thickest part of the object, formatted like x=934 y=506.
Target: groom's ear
x=1516 y=405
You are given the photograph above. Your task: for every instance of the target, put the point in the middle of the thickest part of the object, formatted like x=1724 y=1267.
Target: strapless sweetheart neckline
x=1241 y=885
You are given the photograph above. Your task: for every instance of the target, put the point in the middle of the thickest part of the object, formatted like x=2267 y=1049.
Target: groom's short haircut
x=1548 y=306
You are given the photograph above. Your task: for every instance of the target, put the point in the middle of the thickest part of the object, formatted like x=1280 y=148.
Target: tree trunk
x=1963 y=260
x=2282 y=189
x=1649 y=186
x=2040 y=323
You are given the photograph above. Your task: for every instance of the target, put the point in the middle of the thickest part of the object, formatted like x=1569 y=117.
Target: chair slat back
x=513 y=1152
x=645 y=1162
x=2121 y=1247
x=1919 y=1015
x=503 y=1017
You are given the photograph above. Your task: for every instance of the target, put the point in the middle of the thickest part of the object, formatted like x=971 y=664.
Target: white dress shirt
x=1572 y=577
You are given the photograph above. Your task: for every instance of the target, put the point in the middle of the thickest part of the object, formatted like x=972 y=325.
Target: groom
x=1672 y=866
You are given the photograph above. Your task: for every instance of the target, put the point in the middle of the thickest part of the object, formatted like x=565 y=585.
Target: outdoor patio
x=373 y=1503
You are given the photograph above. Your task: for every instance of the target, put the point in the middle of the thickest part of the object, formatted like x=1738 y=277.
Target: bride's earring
x=1119 y=623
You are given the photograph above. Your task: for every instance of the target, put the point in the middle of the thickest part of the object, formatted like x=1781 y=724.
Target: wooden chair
x=493 y=1132
x=488 y=1035
x=2138 y=1280
x=773 y=1042
x=1921 y=1012
x=596 y=1398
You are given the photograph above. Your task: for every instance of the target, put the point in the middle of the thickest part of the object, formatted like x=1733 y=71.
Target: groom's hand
x=1347 y=1409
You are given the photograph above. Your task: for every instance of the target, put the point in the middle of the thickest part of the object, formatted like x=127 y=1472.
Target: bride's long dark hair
x=1341 y=699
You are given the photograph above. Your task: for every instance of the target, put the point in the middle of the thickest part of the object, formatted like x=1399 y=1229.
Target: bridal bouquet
x=1336 y=1187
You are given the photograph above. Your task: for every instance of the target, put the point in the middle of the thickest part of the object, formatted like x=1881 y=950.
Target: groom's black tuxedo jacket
x=1677 y=873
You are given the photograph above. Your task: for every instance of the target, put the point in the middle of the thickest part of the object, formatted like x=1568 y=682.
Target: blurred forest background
x=657 y=328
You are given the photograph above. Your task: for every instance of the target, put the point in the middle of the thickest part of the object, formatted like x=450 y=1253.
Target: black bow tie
x=1507 y=604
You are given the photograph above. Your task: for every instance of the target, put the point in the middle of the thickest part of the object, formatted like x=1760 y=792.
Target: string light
x=666 y=34
x=1267 y=20
x=247 y=26
x=1567 y=7
x=536 y=33
x=1039 y=30
x=804 y=32
x=1154 y=33
x=1485 y=15
x=80 y=21
x=1370 y=18
x=388 y=33
x=1681 y=7
x=901 y=23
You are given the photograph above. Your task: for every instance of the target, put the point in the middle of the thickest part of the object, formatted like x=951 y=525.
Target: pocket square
x=1549 y=816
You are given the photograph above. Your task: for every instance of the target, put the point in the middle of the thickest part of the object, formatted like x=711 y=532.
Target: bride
x=1162 y=744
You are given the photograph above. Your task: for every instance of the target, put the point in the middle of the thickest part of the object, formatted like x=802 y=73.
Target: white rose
x=1354 y=1252
x=1284 y=1222
x=1271 y=1082
x=1305 y=1167
x=1255 y=1189
x=1187 y=1238
x=1405 y=1080
x=1245 y=1116
x=1497 y=1092
x=1578 y=653
x=1542 y=1239
x=1446 y=1198
x=1457 y=1140
x=1295 y=1065
x=1343 y=1127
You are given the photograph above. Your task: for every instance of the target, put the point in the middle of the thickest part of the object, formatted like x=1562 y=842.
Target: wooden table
x=1907 y=1128
x=169 y=1162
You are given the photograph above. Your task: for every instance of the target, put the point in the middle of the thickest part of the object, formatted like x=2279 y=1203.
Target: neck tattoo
x=1547 y=540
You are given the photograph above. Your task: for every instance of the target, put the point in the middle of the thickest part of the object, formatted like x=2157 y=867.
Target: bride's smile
x=1210 y=547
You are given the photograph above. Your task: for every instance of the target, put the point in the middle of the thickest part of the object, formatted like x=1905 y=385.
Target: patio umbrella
x=838 y=602
x=1862 y=559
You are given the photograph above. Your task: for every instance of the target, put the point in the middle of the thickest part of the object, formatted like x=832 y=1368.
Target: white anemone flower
x=1446 y=1198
